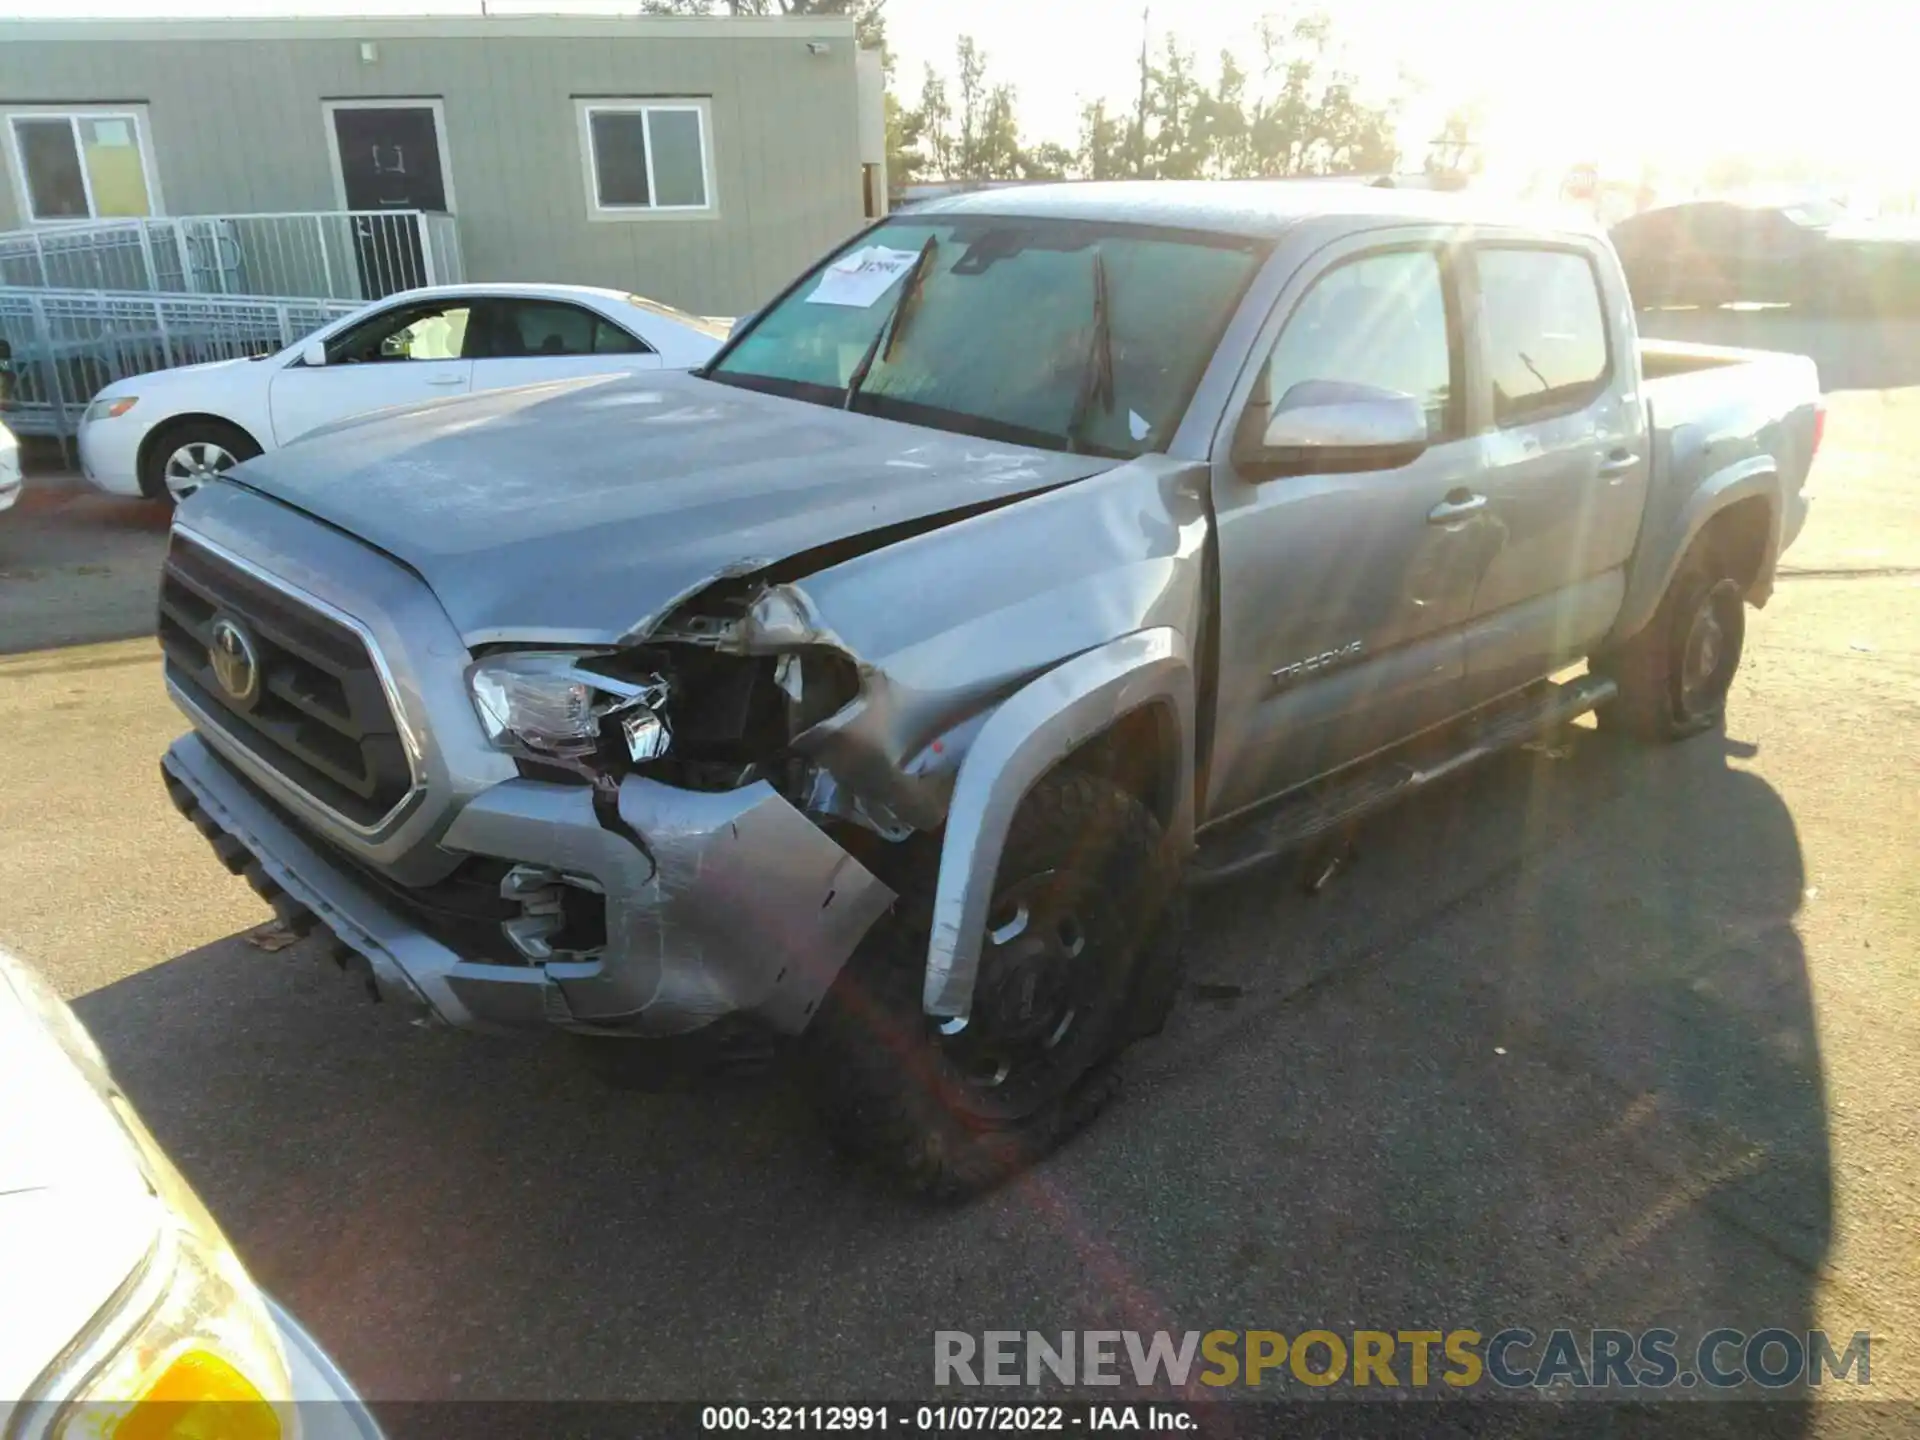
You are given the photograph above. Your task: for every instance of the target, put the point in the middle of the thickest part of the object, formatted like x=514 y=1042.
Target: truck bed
x=1722 y=421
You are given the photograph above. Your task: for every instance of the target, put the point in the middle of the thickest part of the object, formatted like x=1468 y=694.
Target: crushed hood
x=581 y=512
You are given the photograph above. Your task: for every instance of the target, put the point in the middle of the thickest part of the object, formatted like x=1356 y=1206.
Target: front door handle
x=1617 y=463
x=1458 y=505
x=446 y=380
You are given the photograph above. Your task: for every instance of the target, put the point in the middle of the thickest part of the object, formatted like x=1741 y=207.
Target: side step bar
x=1331 y=806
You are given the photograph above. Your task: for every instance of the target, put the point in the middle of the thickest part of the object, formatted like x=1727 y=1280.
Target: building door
x=389 y=160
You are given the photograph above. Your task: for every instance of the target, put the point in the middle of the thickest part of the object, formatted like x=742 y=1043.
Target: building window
x=646 y=157
x=82 y=165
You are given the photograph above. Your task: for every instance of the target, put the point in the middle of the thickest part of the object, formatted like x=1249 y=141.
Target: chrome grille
x=319 y=714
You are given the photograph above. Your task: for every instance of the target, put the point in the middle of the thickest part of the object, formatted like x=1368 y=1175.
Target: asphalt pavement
x=1597 y=1036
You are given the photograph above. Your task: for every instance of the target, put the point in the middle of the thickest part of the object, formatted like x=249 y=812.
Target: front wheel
x=181 y=459
x=1084 y=899
x=1675 y=674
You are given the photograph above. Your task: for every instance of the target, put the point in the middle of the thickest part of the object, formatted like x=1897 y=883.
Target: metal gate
x=62 y=346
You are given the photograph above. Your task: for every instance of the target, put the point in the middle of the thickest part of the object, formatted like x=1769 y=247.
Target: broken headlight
x=544 y=701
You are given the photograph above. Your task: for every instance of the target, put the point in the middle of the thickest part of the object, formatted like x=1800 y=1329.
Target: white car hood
x=76 y=1214
x=152 y=380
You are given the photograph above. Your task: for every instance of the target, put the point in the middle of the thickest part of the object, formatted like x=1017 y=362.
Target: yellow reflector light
x=200 y=1397
x=117 y=408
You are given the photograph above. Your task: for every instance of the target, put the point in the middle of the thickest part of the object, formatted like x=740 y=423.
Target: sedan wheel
x=178 y=460
x=193 y=464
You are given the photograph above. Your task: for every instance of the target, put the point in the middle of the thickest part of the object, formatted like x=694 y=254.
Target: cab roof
x=1263 y=209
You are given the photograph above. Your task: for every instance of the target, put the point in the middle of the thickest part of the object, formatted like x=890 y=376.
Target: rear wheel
x=1675 y=674
x=182 y=458
x=1081 y=902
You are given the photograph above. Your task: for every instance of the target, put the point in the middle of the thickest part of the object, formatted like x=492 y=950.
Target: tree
x=977 y=140
x=1454 y=157
x=932 y=123
x=1103 y=144
x=1303 y=113
x=1313 y=118
x=905 y=159
x=1049 y=160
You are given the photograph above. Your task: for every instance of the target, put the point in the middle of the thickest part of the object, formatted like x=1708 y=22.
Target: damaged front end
x=701 y=816
x=724 y=693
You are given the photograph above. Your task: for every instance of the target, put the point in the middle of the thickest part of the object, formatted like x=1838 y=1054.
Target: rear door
x=525 y=341
x=1565 y=460
x=1343 y=594
x=397 y=356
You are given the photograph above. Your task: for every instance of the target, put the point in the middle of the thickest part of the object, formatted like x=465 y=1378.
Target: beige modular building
x=698 y=161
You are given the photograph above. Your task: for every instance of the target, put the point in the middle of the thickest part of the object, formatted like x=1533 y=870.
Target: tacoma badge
x=1287 y=674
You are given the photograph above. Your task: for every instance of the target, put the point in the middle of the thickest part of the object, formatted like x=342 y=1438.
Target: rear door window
x=543 y=328
x=1545 y=332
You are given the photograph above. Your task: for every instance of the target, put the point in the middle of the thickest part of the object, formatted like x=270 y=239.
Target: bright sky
x=1674 y=81
x=1607 y=82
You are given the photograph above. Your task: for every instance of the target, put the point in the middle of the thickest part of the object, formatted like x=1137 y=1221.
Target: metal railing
x=336 y=255
x=64 y=345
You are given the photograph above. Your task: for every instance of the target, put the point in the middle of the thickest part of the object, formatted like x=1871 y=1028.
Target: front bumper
x=731 y=904
x=110 y=454
x=325 y=1400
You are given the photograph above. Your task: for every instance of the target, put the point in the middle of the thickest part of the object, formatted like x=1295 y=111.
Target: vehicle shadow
x=1565 y=1003
x=1853 y=352
x=1545 y=1057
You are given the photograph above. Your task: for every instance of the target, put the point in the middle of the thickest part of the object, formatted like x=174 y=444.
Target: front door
x=1343 y=594
x=389 y=160
x=402 y=355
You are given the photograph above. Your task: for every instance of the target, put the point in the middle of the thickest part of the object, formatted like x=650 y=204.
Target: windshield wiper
x=891 y=326
x=1096 y=383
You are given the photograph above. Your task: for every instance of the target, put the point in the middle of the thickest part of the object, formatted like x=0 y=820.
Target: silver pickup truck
x=885 y=684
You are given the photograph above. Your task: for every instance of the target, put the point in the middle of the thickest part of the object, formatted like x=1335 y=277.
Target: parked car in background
x=123 y=1309
x=162 y=434
x=1808 y=253
x=10 y=482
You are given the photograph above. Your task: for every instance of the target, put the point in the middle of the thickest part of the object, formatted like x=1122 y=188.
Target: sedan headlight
x=543 y=701
x=111 y=409
x=194 y=1351
x=186 y=1346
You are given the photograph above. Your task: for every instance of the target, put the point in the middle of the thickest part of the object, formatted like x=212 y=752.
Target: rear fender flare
x=1756 y=476
x=1029 y=734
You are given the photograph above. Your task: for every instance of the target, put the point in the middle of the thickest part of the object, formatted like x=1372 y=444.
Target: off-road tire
x=1649 y=668
x=885 y=1089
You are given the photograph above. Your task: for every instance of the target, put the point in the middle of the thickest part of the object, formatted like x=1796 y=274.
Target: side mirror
x=1328 y=425
x=314 y=354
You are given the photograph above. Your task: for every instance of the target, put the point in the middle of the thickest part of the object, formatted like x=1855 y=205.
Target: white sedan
x=9 y=469
x=162 y=434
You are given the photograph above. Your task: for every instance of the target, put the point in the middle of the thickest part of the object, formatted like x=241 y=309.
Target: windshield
x=1005 y=337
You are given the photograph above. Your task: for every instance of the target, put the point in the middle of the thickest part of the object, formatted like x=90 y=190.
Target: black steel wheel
x=1082 y=903
x=1674 y=676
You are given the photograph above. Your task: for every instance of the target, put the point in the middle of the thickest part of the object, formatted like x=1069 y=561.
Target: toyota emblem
x=235 y=664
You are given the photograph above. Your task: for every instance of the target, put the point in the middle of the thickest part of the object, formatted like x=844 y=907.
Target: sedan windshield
x=1066 y=334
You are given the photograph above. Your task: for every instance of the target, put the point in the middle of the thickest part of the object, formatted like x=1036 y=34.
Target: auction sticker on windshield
x=863 y=277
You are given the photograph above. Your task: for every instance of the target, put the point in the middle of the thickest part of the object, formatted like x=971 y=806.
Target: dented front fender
x=1021 y=741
